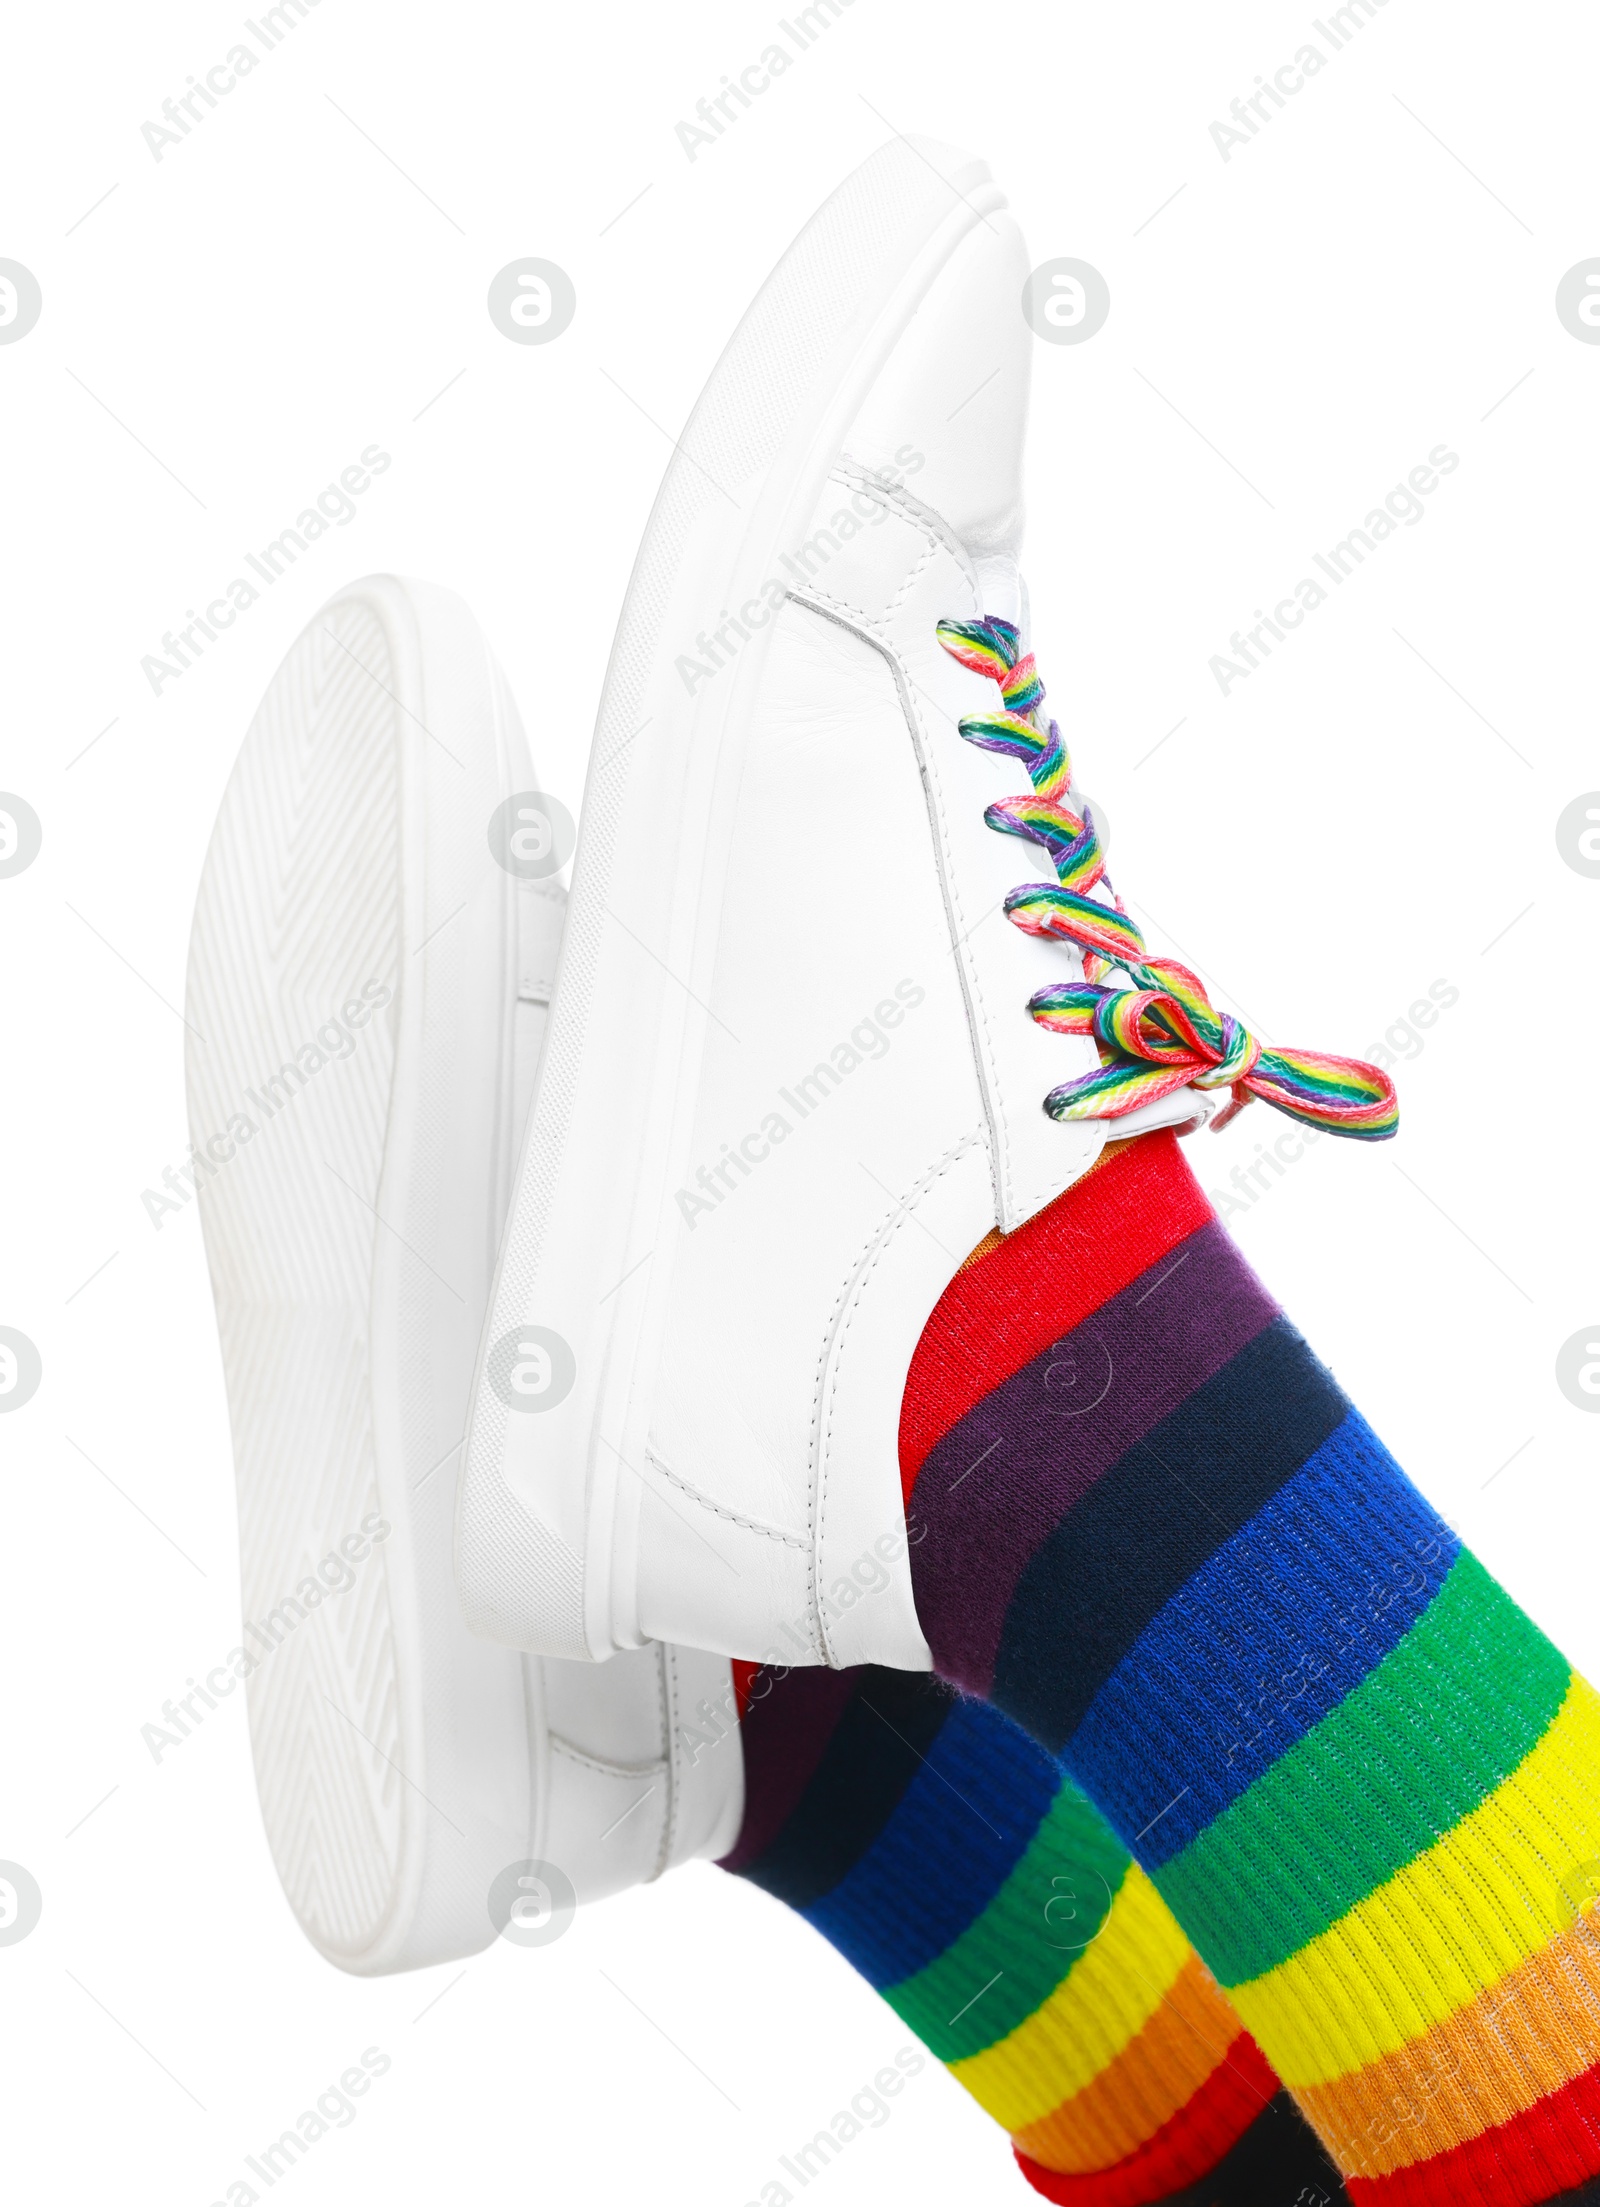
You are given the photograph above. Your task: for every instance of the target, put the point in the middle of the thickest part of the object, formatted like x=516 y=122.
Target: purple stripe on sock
x=781 y=1758
x=1000 y=1480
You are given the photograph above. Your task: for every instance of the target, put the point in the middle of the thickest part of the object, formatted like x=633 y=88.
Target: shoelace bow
x=1163 y=1033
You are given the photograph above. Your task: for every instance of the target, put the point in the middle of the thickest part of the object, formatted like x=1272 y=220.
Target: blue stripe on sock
x=1267 y=1636
x=1135 y=1539
x=978 y=1800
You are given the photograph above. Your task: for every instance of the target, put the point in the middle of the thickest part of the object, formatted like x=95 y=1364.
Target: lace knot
x=1163 y=1033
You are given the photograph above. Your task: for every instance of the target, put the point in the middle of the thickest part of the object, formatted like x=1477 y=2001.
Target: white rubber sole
x=353 y=1000
x=546 y=1546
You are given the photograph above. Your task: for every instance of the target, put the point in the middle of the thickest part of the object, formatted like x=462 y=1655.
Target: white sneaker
x=368 y=990
x=790 y=1081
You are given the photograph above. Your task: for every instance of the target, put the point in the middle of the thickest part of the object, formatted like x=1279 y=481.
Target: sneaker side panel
x=551 y=1505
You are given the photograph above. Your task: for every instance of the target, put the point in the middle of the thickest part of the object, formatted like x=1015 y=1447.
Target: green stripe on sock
x=1073 y=1868
x=1429 y=1732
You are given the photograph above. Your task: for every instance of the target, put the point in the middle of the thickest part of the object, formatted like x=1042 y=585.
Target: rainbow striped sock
x=948 y=1858
x=1149 y=1526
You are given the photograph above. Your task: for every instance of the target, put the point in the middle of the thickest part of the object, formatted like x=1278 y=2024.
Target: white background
x=1373 y=810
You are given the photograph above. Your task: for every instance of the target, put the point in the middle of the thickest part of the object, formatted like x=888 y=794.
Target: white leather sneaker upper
x=871 y=1084
x=828 y=1086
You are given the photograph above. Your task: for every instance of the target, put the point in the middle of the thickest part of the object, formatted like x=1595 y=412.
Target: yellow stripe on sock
x=1486 y=2064
x=1105 y=2000
x=1494 y=1891
x=1154 y=2077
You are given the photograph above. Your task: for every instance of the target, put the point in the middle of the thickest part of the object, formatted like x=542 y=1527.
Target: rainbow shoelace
x=1163 y=1033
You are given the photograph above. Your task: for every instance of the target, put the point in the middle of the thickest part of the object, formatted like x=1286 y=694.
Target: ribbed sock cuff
x=1224 y=2148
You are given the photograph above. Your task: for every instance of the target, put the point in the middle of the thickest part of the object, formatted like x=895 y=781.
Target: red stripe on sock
x=743 y=1674
x=1188 y=2145
x=1038 y=1283
x=1547 y=2150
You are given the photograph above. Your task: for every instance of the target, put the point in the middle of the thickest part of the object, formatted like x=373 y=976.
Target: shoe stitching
x=719 y=1509
x=921 y=520
x=668 y=1672
x=980 y=1019
x=1004 y=1170
x=919 y=566
x=911 y=510
x=858 y=621
x=600 y=1763
x=851 y=1293
x=842 y=610
x=913 y=575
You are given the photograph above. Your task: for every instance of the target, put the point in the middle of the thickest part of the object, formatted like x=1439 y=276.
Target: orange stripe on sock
x=1185 y=2149
x=1179 y=2049
x=1547 y=2150
x=1529 y=2035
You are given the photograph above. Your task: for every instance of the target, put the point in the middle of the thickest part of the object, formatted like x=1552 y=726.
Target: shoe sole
x=351 y=1238
x=547 y=1529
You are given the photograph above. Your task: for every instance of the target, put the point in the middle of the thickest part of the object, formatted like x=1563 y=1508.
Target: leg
x=951 y=1861
x=1151 y=1528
